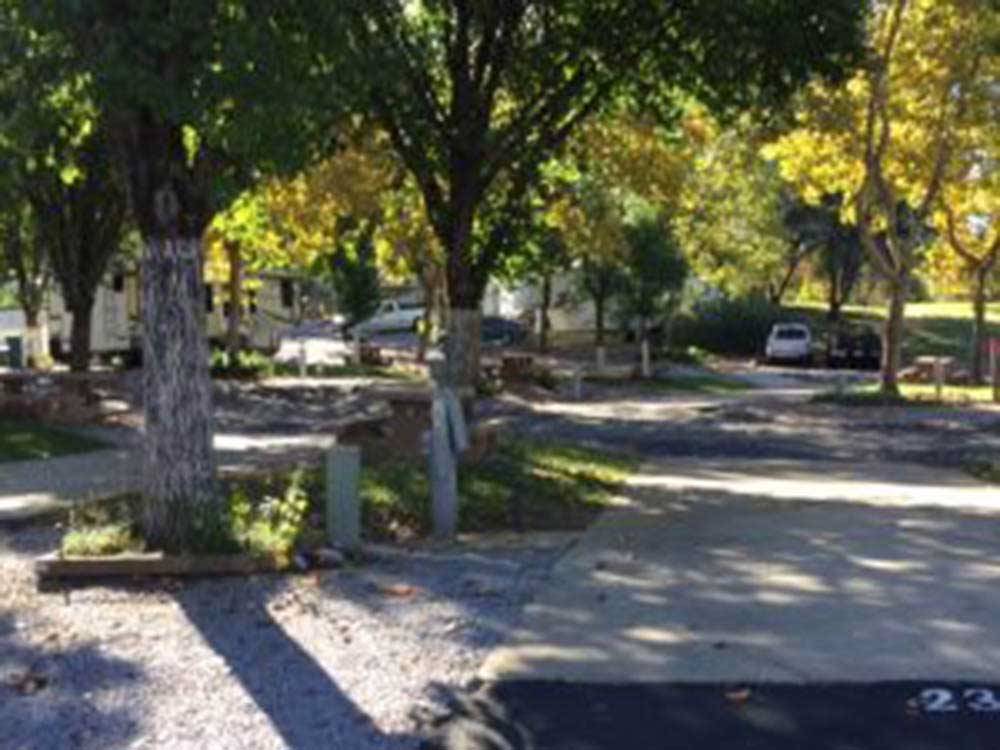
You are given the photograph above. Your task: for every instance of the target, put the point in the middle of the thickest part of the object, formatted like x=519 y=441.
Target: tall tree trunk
x=465 y=295
x=544 y=323
x=181 y=500
x=79 y=337
x=233 y=343
x=35 y=347
x=462 y=348
x=834 y=300
x=981 y=277
x=892 y=346
x=599 y=319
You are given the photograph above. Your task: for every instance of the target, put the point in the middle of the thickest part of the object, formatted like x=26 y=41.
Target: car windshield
x=790 y=334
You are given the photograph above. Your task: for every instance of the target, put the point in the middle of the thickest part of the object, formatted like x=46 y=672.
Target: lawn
x=23 y=441
x=911 y=394
x=932 y=328
x=524 y=485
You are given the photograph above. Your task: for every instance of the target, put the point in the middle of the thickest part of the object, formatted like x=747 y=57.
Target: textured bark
x=178 y=472
x=599 y=320
x=462 y=348
x=235 y=299
x=979 y=325
x=546 y=324
x=892 y=344
x=36 y=345
x=79 y=336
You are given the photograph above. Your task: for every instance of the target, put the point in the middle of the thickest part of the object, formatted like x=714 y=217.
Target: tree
x=197 y=98
x=971 y=218
x=476 y=96
x=730 y=221
x=886 y=139
x=354 y=274
x=83 y=229
x=28 y=262
x=600 y=237
x=654 y=272
x=841 y=256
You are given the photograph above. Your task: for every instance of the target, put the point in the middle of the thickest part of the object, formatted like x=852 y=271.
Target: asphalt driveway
x=719 y=579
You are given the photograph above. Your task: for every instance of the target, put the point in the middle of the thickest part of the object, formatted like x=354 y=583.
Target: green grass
x=24 y=441
x=522 y=486
x=988 y=471
x=910 y=394
x=525 y=485
x=707 y=383
x=942 y=329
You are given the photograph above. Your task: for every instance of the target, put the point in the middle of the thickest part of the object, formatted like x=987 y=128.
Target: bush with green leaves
x=735 y=326
x=244 y=365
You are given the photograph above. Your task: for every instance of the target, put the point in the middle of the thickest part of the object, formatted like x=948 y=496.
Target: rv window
x=209 y=298
x=118 y=282
x=287 y=293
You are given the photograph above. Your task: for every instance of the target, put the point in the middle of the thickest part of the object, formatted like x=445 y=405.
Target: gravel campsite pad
x=355 y=658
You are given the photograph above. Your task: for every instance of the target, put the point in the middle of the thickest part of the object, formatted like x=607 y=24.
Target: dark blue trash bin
x=15 y=352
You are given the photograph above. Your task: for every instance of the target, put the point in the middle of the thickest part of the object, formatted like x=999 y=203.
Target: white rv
x=272 y=304
x=114 y=322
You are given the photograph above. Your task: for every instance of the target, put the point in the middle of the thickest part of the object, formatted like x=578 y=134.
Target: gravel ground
x=349 y=659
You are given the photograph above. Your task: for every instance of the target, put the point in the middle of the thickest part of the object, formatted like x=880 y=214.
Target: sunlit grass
x=524 y=485
x=910 y=394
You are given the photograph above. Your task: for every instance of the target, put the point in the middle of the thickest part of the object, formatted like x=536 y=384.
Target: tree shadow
x=53 y=696
x=301 y=698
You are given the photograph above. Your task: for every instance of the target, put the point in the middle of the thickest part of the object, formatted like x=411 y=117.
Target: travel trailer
x=273 y=303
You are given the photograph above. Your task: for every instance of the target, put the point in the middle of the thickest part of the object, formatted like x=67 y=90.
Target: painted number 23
x=942 y=700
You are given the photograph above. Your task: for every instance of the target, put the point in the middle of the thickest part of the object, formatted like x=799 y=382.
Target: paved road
x=768 y=585
x=769 y=424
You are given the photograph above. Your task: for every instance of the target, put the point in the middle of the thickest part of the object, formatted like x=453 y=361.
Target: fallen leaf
x=738 y=696
x=28 y=683
x=401 y=590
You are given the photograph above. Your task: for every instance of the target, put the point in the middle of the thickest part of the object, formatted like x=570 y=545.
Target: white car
x=789 y=342
x=392 y=315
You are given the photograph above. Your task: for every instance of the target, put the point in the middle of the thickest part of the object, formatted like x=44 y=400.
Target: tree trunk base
x=182 y=509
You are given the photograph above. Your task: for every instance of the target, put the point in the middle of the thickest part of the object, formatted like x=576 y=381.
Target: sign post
x=449 y=439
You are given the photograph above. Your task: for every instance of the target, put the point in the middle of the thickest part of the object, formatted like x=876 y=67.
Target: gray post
x=303 y=363
x=647 y=370
x=444 y=477
x=343 y=502
x=578 y=383
x=601 y=359
x=939 y=378
x=443 y=448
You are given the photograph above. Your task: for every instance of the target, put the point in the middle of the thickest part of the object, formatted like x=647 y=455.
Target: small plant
x=274 y=526
x=988 y=471
x=107 y=539
x=245 y=365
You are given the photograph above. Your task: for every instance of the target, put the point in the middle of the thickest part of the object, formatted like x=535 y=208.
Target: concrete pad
x=34 y=488
x=757 y=573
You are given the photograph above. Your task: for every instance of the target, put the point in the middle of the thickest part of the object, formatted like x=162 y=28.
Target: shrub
x=727 y=326
x=246 y=365
x=106 y=539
